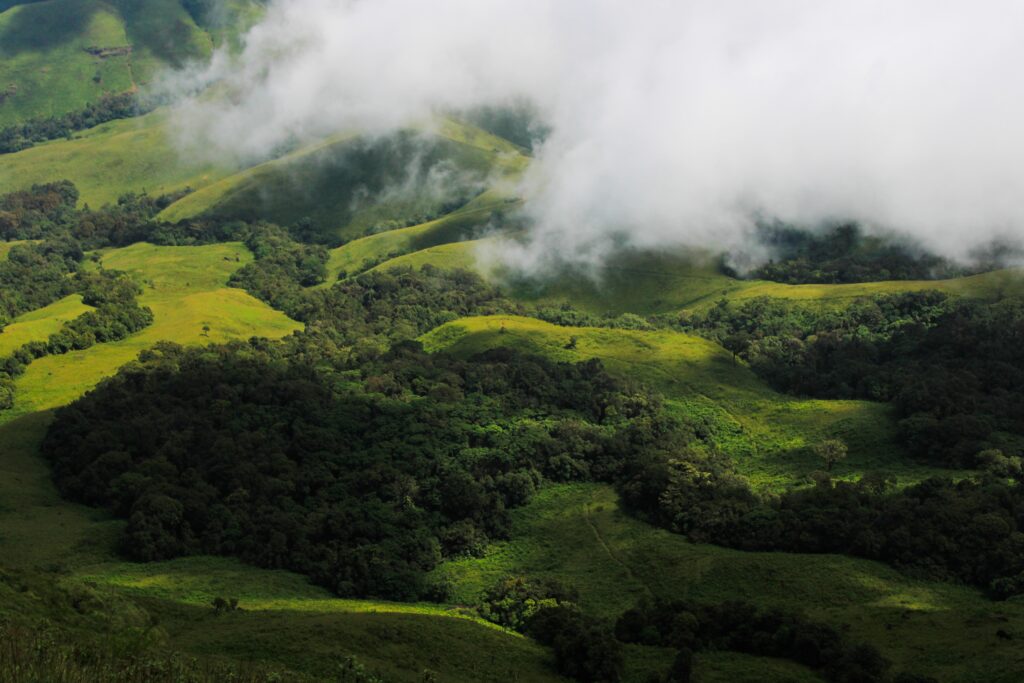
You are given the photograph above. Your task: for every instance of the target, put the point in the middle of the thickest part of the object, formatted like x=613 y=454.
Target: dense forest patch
x=362 y=480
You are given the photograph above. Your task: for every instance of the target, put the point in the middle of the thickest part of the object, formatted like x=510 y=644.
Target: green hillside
x=59 y=55
x=5 y=247
x=405 y=245
x=46 y=67
x=39 y=324
x=403 y=430
x=765 y=433
x=349 y=185
x=648 y=282
x=132 y=155
x=185 y=288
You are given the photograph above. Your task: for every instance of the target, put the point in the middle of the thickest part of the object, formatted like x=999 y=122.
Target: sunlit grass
x=131 y=155
x=39 y=324
x=186 y=289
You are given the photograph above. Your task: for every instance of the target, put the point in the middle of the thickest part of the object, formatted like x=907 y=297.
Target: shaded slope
x=347 y=185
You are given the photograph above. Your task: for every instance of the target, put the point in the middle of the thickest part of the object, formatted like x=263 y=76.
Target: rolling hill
x=662 y=282
x=370 y=184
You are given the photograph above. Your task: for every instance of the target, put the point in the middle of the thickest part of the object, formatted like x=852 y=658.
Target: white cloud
x=673 y=122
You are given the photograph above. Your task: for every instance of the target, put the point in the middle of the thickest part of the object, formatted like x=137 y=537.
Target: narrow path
x=611 y=554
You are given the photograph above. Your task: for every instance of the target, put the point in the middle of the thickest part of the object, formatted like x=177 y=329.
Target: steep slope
x=57 y=56
x=347 y=185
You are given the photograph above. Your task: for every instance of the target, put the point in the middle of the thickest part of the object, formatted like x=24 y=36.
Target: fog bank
x=672 y=123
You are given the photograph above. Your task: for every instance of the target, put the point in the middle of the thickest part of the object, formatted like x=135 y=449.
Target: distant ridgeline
x=844 y=253
x=108 y=108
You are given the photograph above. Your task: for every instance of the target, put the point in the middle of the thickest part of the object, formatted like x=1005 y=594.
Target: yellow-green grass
x=578 y=534
x=460 y=131
x=39 y=324
x=403 y=244
x=766 y=433
x=5 y=247
x=398 y=646
x=44 y=67
x=992 y=285
x=410 y=246
x=131 y=155
x=197 y=581
x=186 y=289
x=317 y=182
x=448 y=256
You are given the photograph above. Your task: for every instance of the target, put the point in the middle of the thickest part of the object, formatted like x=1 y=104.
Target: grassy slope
x=162 y=34
x=576 y=533
x=185 y=287
x=131 y=155
x=43 y=51
x=664 y=282
x=355 y=256
x=294 y=187
x=39 y=324
x=765 y=432
x=42 y=55
x=992 y=285
x=230 y=20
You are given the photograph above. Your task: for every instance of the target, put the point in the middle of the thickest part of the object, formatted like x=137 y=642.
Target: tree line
x=109 y=107
x=116 y=315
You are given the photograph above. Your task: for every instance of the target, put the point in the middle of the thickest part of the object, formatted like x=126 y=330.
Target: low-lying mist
x=669 y=122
